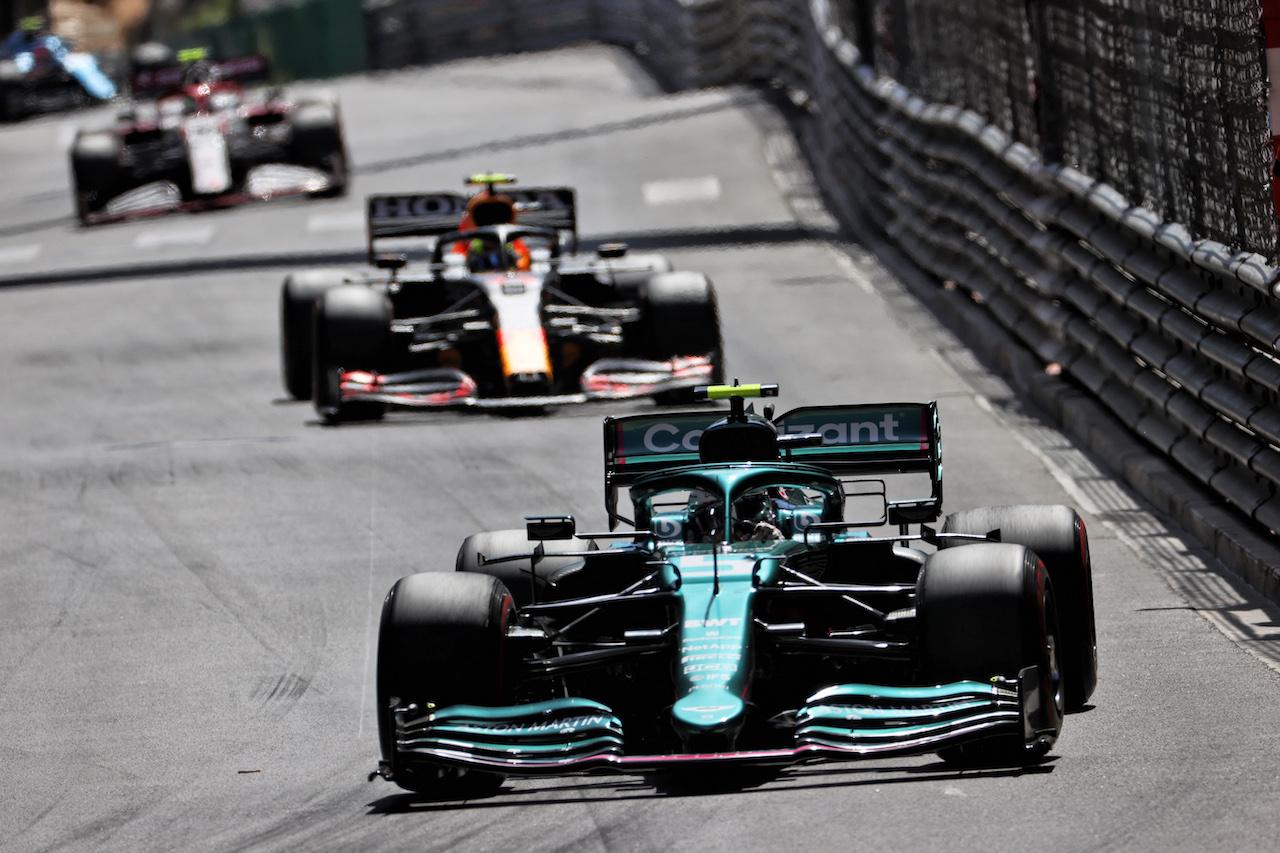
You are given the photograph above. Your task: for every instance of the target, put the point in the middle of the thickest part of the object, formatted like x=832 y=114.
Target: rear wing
x=858 y=440
x=154 y=82
x=400 y=215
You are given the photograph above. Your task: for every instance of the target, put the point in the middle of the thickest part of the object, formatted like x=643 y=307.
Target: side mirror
x=390 y=261
x=611 y=251
x=541 y=528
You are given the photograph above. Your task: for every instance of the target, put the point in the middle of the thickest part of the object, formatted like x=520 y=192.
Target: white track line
x=195 y=235
x=19 y=254
x=681 y=190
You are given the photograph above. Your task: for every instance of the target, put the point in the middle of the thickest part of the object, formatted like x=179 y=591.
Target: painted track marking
x=681 y=190
x=195 y=235
x=344 y=220
x=19 y=254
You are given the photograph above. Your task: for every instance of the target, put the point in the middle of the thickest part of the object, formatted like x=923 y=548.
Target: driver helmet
x=32 y=26
x=756 y=516
x=484 y=255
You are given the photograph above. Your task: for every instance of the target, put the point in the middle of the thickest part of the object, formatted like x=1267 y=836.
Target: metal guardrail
x=1177 y=337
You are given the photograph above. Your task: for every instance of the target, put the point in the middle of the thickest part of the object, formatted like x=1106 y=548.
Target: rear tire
x=298 y=297
x=351 y=332
x=681 y=317
x=517 y=575
x=988 y=610
x=441 y=642
x=318 y=143
x=1057 y=535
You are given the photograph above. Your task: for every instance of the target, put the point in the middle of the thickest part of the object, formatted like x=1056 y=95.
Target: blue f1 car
x=39 y=73
x=749 y=616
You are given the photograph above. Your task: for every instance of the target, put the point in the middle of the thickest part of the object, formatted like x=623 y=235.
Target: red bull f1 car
x=504 y=313
x=769 y=600
x=195 y=138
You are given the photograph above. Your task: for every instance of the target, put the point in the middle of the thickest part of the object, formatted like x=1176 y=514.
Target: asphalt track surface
x=193 y=568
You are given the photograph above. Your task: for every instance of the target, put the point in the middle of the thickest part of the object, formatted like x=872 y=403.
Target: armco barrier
x=1174 y=338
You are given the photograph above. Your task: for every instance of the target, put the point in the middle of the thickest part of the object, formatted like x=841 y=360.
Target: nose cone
x=708 y=720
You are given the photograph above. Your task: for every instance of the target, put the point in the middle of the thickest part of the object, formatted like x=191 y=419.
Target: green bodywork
x=715 y=579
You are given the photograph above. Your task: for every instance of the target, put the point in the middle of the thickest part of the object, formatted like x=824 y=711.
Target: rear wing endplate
x=402 y=215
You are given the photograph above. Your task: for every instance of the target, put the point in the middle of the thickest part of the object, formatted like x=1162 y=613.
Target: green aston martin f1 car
x=772 y=601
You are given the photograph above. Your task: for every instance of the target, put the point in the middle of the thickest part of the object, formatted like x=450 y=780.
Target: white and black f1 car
x=753 y=615
x=195 y=137
x=503 y=314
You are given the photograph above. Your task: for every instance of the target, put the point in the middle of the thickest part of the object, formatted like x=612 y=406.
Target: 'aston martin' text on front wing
x=750 y=615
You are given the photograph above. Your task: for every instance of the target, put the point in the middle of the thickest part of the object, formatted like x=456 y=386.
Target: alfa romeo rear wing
x=857 y=441
x=401 y=215
x=155 y=82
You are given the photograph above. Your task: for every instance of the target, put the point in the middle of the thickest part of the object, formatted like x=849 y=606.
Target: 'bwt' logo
x=667 y=438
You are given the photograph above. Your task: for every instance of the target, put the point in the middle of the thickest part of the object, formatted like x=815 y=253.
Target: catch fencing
x=307 y=40
x=1094 y=174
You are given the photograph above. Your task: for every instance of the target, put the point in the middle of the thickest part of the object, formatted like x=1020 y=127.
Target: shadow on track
x=708 y=238
x=614 y=789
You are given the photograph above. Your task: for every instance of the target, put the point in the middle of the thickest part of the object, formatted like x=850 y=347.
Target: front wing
x=849 y=721
x=607 y=379
x=263 y=183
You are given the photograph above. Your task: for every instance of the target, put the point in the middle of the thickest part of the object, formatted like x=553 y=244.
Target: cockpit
x=762 y=505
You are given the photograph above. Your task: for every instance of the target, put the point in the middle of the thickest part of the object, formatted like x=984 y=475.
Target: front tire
x=95 y=173
x=298 y=297
x=351 y=332
x=1057 y=535
x=988 y=610
x=441 y=642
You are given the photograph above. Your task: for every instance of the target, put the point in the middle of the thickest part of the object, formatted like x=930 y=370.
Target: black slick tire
x=298 y=297
x=519 y=576
x=318 y=142
x=681 y=318
x=352 y=326
x=441 y=642
x=1057 y=534
x=95 y=173
x=988 y=610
